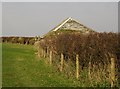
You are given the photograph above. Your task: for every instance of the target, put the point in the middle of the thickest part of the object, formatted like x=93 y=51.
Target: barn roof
x=71 y=24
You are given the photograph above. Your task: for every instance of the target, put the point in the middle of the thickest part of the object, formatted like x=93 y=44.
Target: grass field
x=22 y=68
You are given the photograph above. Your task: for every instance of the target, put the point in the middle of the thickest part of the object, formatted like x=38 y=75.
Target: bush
x=31 y=41
x=21 y=40
x=96 y=48
x=14 y=40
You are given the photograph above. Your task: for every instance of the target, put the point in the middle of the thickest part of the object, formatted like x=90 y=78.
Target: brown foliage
x=94 y=47
x=20 y=40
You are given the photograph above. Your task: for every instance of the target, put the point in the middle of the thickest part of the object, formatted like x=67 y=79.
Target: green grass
x=22 y=68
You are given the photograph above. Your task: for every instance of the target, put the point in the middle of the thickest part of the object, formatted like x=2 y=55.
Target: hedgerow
x=95 y=48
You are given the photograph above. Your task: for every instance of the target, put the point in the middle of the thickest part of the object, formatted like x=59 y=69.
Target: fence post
x=44 y=53
x=50 y=57
x=38 y=51
x=112 y=72
x=89 y=70
x=47 y=52
x=61 y=63
x=77 y=66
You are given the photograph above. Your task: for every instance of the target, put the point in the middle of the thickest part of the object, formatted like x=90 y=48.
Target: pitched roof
x=71 y=24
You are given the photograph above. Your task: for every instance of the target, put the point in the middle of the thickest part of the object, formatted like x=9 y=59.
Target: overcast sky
x=37 y=18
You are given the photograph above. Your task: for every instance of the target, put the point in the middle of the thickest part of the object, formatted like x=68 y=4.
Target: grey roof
x=71 y=24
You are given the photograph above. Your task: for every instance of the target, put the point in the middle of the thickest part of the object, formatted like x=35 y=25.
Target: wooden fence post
x=50 y=57
x=47 y=52
x=77 y=66
x=89 y=70
x=44 y=53
x=38 y=51
x=112 y=72
x=61 y=63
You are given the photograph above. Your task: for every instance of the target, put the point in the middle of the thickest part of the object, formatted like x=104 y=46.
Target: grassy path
x=22 y=68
